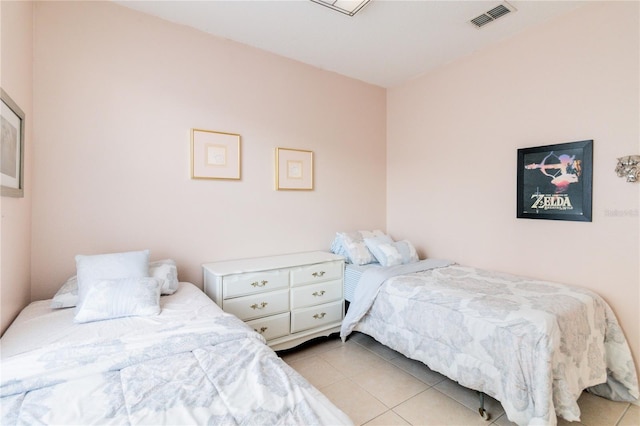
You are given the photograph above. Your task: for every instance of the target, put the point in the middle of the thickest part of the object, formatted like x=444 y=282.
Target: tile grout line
x=398 y=414
x=624 y=413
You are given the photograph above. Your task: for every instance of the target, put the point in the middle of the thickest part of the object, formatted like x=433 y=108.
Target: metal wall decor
x=629 y=167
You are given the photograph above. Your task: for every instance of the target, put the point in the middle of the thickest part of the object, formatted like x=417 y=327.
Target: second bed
x=531 y=344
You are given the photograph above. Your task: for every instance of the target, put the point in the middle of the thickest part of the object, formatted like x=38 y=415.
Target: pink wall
x=115 y=94
x=452 y=141
x=15 y=227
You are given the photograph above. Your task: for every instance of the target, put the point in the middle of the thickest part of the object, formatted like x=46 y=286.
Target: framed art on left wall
x=12 y=145
x=215 y=155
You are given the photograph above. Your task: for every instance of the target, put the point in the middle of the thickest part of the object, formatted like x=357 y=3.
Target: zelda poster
x=555 y=181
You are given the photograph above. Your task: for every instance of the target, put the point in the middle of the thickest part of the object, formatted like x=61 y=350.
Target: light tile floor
x=375 y=385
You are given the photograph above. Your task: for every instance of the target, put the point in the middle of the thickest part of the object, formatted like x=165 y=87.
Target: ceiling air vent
x=493 y=14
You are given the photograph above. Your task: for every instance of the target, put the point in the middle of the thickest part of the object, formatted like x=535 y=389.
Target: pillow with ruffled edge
x=356 y=250
x=392 y=254
x=125 y=297
x=165 y=271
x=337 y=247
x=67 y=295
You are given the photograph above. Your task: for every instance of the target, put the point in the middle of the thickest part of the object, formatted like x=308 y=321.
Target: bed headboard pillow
x=124 y=297
x=112 y=266
x=392 y=253
x=351 y=245
x=165 y=271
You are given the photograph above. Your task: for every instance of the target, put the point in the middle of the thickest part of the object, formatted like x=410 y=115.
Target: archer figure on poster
x=567 y=170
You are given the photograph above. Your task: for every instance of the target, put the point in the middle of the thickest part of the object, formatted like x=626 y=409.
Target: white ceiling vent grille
x=493 y=14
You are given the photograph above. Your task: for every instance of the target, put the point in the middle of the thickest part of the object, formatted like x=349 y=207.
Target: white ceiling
x=387 y=43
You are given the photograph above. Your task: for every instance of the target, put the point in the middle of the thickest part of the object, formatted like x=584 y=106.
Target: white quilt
x=197 y=365
x=533 y=345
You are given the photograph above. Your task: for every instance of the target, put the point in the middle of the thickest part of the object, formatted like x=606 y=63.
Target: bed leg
x=483 y=413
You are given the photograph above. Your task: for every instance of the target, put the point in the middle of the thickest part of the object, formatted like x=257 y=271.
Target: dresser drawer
x=272 y=326
x=316 y=316
x=258 y=305
x=254 y=282
x=316 y=273
x=316 y=294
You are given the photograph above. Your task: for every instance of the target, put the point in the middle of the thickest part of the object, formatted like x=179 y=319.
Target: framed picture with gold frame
x=215 y=155
x=12 y=145
x=294 y=169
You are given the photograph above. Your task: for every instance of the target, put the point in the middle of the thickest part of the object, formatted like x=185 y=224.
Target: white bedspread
x=195 y=365
x=365 y=294
x=533 y=345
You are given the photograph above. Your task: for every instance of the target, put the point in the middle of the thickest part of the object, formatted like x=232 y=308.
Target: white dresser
x=289 y=299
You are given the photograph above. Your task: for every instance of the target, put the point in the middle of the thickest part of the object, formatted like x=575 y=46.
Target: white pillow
x=352 y=246
x=109 y=299
x=166 y=272
x=113 y=266
x=67 y=295
x=337 y=247
x=392 y=254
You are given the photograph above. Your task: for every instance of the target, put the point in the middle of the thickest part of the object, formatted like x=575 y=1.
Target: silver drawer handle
x=262 y=330
x=260 y=306
x=319 y=293
x=318 y=274
x=320 y=316
x=259 y=283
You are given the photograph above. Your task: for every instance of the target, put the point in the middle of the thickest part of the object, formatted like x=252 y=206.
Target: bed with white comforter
x=191 y=364
x=533 y=345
